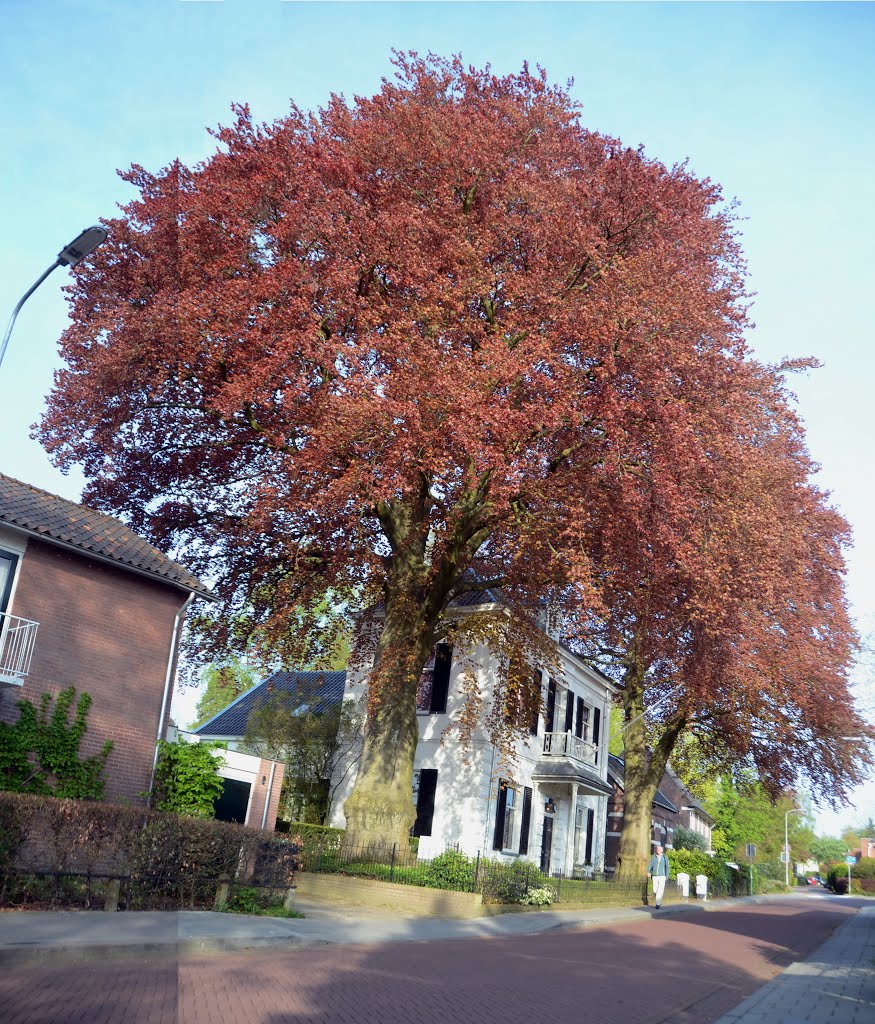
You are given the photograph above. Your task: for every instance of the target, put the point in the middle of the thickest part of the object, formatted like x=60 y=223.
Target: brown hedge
x=163 y=860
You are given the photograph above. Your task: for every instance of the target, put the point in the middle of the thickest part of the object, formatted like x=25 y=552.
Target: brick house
x=85 y=601
x=673 y=806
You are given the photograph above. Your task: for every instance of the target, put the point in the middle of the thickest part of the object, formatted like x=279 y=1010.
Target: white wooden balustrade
x=566 y=744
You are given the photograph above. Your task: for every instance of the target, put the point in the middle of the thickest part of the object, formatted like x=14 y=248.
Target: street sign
x=751 y=851
x=785 y=857
x=850 y=859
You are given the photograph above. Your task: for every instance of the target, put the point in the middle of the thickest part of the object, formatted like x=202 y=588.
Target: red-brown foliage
x=445 y=331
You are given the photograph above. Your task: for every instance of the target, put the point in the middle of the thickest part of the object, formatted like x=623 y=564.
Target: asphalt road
x=687 y=968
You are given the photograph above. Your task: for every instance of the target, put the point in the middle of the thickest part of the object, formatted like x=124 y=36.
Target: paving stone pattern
x=835 y=986
x=667 y=969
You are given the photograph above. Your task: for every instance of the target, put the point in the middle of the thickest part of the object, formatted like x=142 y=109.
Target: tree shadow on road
x=678 y=969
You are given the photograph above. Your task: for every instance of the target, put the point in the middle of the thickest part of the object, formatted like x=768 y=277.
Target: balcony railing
x=17 y=638
x=566 y=744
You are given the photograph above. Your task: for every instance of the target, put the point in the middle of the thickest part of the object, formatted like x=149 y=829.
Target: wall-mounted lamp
x=264 y=780
x=549 y=805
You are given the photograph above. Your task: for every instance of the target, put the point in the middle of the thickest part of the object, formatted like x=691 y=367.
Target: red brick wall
x=259 y=792
x=108 y=633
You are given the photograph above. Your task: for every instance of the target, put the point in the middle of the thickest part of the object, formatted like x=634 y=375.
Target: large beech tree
x=406 y=346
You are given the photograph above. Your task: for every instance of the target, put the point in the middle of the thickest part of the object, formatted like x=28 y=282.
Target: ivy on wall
x=40 y=752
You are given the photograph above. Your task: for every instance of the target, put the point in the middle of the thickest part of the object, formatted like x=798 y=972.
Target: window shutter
x=536 y=710
x=550 y=723
x=569 y=710
x=425 y=801
x=440 y=687
x=590 y=820
x=501 y=807
x=526 y=820
x=596 y=725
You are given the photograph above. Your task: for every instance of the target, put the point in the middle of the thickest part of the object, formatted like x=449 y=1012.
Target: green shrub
x=863 y=868
x=249 y=900
x=688 y=839
x=187 y=779
x=316 y=841
x=508 y=882
x=450 y=870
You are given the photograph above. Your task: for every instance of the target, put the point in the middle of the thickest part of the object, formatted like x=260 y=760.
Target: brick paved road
x=680 y=969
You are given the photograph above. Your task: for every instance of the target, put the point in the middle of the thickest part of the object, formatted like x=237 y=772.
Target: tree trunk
x=380 y=811
x=638 y=789
x=643 y=771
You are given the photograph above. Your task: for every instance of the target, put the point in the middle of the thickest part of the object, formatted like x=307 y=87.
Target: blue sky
x=774 y=101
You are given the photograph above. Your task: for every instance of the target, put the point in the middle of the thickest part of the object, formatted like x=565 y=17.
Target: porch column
x=569 y=835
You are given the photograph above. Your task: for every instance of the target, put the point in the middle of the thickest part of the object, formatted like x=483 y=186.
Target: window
x=584 y=821
x=8 y=561
x=505 y=816
x=424 y=788
x=434 y=683
x=584 y=722
x=579 y=834
x=426 y=685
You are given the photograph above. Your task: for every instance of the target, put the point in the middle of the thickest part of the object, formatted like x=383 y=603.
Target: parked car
x=815 y=880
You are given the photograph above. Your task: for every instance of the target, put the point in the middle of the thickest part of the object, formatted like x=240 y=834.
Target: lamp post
x=793 y=810
x=70 y=256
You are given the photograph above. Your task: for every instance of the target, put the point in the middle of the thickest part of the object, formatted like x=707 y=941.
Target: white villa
x=554 y=810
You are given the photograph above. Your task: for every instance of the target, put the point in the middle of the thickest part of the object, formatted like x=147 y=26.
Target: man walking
x=657 y=872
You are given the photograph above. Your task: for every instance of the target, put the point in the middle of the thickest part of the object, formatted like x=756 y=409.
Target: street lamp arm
x=70 y=256
x=21 y=302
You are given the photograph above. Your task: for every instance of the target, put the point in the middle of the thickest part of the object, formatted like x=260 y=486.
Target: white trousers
x=658 y=888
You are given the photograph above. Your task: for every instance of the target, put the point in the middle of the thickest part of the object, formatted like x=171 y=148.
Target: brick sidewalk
x=834 y=986
x=694 y=968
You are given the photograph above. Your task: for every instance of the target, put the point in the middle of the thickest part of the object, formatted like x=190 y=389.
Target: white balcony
x=570 y=747
x=17 y=638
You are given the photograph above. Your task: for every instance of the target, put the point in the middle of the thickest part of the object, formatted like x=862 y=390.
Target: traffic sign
x=850 y=859
x=751 y=851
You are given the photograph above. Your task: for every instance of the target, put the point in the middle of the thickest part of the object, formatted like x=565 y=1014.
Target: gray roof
x=316 y=690
x=59 y=521
x=566 y=771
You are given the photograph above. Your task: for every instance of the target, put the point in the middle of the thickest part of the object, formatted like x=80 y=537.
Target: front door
x=546 y=844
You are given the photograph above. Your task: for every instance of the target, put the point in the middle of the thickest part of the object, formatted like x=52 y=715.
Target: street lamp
x=793 y=810
x=70 y=256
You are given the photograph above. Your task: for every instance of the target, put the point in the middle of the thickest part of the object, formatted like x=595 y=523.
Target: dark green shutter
x=536 y=710
x=569 y=710
x=440 y=685
x=425 y=801
x=550 y=723
x=596 y=725
x=590 y=820
x=526 y=820
x=501 y=808
x=578 y=725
